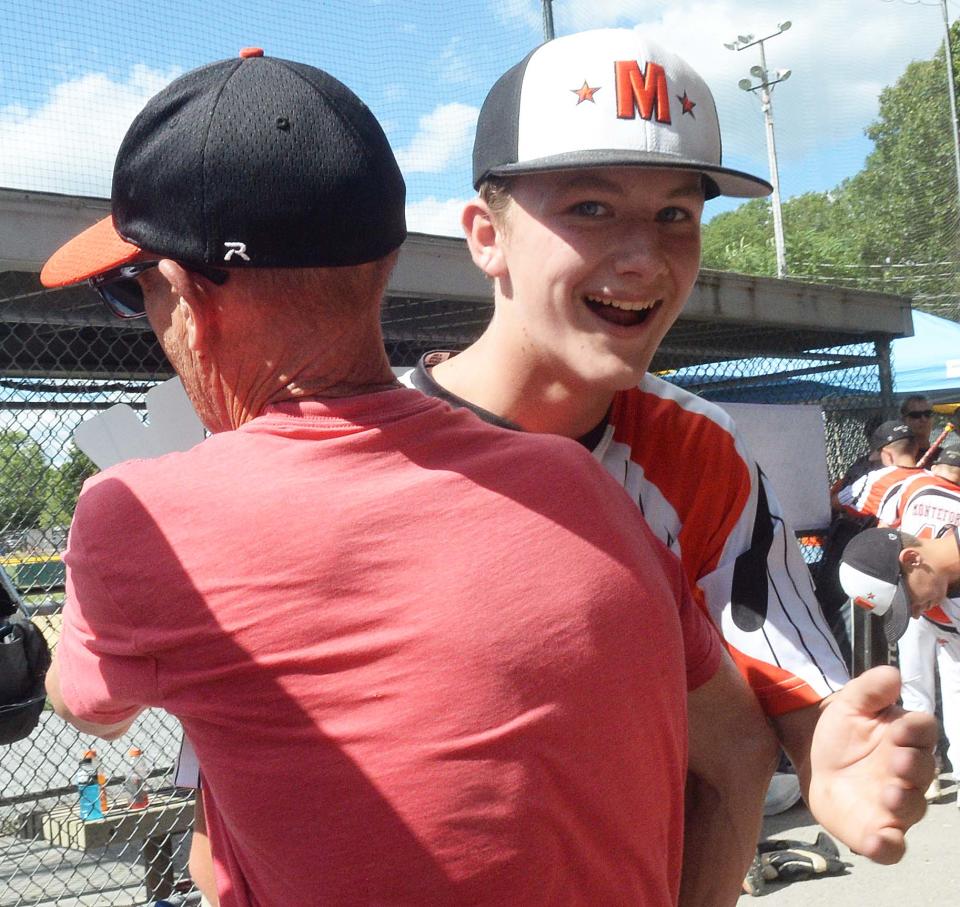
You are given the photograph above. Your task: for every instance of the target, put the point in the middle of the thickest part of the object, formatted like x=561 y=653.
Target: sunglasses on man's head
x=122 y=294
x=920 y=414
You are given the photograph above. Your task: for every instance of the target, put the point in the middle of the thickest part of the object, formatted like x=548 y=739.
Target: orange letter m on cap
x=643 y=91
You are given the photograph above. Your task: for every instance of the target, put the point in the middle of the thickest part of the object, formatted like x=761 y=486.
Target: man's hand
x=870 y=764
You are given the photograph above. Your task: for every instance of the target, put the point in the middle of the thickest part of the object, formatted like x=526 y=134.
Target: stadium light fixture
x=765 y=87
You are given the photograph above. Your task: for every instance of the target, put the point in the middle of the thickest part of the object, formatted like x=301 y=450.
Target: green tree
x=904 y=200
x=64 y=485
x=23 y=481
x=741 y=240
x=894 y=226
x=821 y=244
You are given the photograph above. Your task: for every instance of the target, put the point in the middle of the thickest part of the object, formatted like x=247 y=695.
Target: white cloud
x=68 y=145
x=437 y=216
x=841 y=55
x=442 y=135
x=456 y=64
x=526 y=12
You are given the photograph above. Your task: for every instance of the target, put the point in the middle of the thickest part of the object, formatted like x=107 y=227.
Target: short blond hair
x=496 y=193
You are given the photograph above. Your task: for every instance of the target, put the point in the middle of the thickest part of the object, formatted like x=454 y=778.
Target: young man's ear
x=193 y=302
x=909 y=558
x=483 y=238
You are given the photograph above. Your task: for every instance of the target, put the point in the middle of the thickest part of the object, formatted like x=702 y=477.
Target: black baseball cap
x=252 y=162
x=607 y=97
x=888 y=432
x=870 y=575
x=948 y=456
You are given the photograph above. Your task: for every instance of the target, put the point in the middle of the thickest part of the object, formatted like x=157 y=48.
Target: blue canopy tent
x=928 y=363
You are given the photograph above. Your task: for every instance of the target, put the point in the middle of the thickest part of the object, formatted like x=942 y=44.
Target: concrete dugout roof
x=436 y=298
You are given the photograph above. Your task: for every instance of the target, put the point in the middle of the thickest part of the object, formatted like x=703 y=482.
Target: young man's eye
x=672 y=215
x=590 y=209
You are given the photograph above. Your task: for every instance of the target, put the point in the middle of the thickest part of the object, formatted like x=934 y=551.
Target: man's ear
x=484 y=238
x=909 y=558
x=193 y=302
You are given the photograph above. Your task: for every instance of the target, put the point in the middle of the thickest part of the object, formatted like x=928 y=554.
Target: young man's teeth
x=623 y=304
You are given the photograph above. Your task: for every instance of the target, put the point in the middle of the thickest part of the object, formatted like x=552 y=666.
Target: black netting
x=74 y=76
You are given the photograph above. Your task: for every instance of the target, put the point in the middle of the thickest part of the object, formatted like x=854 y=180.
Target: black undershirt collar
x=424 y=382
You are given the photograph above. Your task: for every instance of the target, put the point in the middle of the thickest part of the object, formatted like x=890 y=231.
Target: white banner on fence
x=788 y=443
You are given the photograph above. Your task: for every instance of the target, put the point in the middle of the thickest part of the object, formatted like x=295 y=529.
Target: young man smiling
x=593 y=159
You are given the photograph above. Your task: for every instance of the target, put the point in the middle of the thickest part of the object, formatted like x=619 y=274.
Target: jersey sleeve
x=849 y=495
x=103 y=677
x=703 y=494
x=761 y=596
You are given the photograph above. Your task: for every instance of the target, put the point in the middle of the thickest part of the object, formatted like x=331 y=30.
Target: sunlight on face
x=599 y=265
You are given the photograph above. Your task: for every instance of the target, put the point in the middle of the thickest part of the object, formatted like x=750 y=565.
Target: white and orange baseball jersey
x=877 y=492
x=681 y=460
x=925 y=506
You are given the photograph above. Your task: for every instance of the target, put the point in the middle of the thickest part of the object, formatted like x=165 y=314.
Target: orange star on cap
x=686 y=104
x=585 y=93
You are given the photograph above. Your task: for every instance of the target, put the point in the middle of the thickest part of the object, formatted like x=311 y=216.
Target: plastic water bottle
x=89 y=788
x=91 y=754
x=135 y=783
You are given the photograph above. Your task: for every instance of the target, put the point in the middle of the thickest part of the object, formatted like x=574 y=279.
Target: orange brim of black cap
x=98 y=249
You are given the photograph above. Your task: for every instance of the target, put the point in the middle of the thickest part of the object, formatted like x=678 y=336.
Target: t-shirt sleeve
x=103 y=676
x=701 y=641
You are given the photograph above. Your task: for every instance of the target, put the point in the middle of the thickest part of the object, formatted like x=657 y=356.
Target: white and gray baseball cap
x=870 y=574
x=607 y=97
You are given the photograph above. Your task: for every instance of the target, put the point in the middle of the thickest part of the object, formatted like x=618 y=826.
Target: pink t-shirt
x=413 y=671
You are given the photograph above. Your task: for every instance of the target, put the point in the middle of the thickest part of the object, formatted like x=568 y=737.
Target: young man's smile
x=623 y=312
x=597 y=265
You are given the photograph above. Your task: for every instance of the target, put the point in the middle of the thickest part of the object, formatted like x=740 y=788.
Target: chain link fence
x=75 y=75
x=50 y=856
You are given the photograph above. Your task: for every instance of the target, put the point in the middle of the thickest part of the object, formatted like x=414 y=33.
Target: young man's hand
x=870 y=764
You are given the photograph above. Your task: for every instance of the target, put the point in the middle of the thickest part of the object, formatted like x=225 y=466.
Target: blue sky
x=74 y=74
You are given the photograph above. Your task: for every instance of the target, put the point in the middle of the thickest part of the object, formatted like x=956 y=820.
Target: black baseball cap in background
x=253 y=162
x=888 y=432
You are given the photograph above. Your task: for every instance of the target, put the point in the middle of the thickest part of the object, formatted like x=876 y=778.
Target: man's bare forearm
x=733 y=752
x=795 y=732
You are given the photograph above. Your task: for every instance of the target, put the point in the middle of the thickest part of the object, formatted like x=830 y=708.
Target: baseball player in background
x=872 y=493
x=593 y=159
x=927 y=506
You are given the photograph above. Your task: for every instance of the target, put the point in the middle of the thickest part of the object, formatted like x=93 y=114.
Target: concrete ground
x=929 y=874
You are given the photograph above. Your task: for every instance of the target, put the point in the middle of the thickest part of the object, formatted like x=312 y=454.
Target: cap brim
x=99 y=248
x=896 y=618
x=733 y=183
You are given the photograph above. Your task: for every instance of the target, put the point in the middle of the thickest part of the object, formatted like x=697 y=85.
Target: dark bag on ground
x=24 y=659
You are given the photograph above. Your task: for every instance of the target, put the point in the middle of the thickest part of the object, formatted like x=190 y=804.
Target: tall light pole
x=548 y=20
x=952 y=94
x=765 y=87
